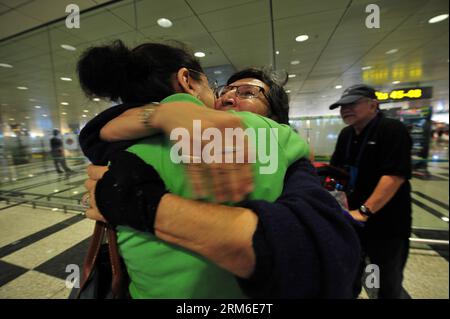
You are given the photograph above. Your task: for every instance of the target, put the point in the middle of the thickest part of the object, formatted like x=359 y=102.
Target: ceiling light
x=292 y=76
x=96 y=99
x=338 y=87
x=32 y=100
x=27 y=117
x=302 y=38
x=295 y=62
x=396 y=82
x=392 y=51
x=12 y=119
x=84 y=115
x=64 y=103
x=368 y=67
x=37 y=106
x=44 y=115
x=438 y=18
x=86 y=111
x=164 y=23
x=288 y=91
x=277 y=52
x=22 y=88
x=5 y=65
x=63 y=113
x=75 y=192
x=199 y=54
x=445 y=219
x=68 y=47
x=66 y=79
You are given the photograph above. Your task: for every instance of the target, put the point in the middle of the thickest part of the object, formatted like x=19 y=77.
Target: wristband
x=364 y=210
x=147 y=115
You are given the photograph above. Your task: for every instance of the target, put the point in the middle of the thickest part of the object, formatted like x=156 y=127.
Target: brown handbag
x=104 y=273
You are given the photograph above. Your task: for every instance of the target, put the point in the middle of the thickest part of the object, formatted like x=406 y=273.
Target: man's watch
x=364 y=210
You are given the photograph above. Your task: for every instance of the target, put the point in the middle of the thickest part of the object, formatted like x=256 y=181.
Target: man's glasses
x=245 y=91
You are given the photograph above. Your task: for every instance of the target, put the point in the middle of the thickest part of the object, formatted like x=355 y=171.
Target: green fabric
x=161 y=270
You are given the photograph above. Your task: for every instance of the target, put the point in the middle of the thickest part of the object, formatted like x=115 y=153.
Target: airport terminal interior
x=321 y=47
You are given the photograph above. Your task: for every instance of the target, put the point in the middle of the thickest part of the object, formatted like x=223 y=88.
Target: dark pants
x=61 y=161
x=390 y=255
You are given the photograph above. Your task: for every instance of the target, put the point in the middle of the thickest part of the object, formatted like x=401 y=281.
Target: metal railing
x=429 y=241
x=44 y=201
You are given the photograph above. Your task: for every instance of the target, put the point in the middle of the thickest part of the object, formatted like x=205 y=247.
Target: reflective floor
x=42 y=229
x=38 y=184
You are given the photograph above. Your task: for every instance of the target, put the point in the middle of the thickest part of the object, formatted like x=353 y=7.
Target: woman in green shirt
x=116 y=73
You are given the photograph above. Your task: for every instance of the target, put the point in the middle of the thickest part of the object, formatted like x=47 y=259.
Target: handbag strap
x=92 y=253
x=117 y=285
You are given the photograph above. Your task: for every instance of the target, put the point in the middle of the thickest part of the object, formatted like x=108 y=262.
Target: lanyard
x=355 y=167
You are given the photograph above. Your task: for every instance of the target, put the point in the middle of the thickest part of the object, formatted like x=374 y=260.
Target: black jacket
x=305 y=246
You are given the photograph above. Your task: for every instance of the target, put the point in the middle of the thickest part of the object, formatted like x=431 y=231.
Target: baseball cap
x=353 y=94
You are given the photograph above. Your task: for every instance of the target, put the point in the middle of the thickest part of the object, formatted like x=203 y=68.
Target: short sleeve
x=338 y=157
x=395 y=150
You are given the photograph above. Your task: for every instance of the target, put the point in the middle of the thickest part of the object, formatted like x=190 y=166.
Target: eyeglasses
x=245 y=91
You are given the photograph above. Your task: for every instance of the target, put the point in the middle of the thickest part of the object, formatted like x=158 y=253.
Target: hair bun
x=102 y=70
x=279 y=77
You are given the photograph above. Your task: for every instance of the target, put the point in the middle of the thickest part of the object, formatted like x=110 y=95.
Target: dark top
x=387 y=151
x=305 y=247
x=56 y=146
x=96 y=150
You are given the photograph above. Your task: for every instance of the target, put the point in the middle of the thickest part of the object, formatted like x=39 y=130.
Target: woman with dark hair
x=235 y=239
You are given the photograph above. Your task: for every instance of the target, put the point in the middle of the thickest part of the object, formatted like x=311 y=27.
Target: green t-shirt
x=161 y=270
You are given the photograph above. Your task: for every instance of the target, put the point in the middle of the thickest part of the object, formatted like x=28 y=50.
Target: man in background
x=376 y=152
x=57 y=152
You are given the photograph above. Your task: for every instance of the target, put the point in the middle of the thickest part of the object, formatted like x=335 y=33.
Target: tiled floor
x=37 y=244
x=426 y=275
